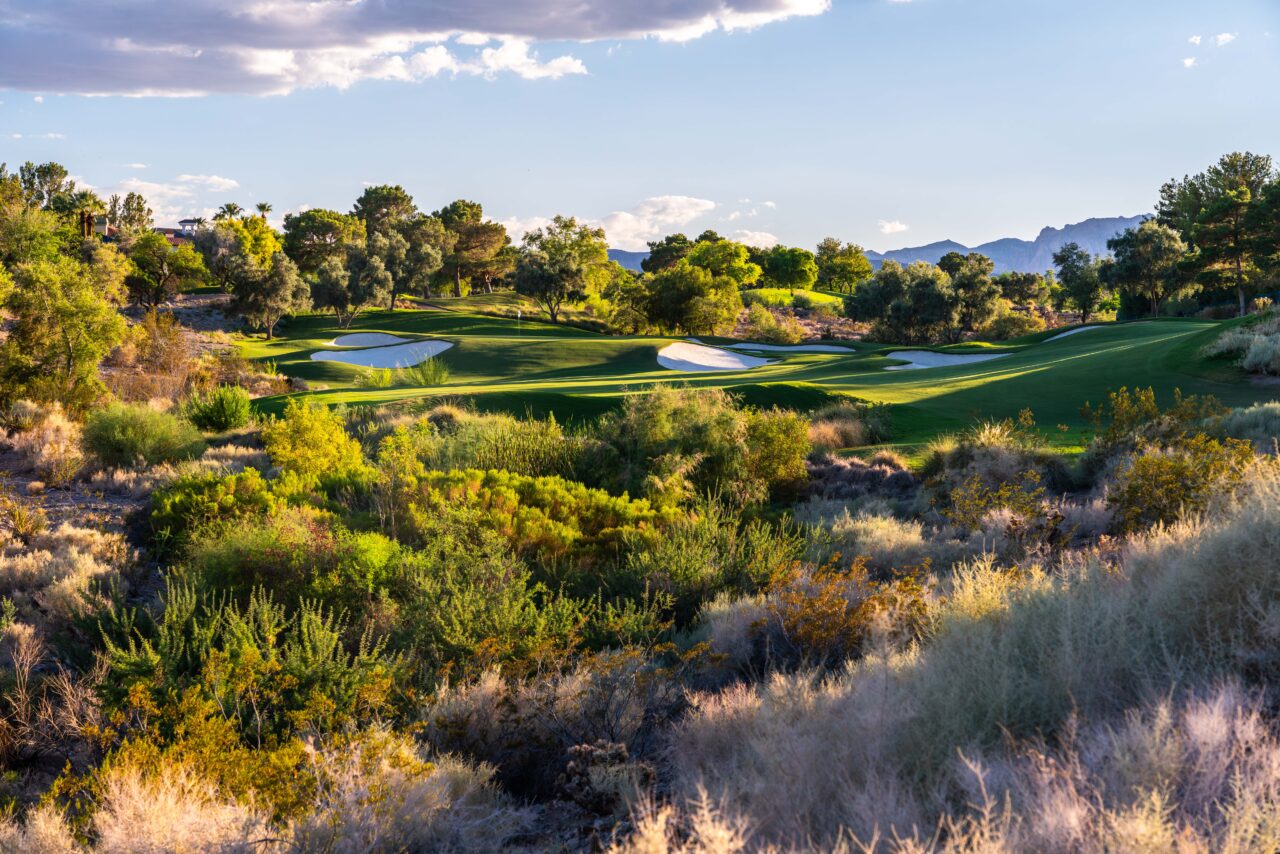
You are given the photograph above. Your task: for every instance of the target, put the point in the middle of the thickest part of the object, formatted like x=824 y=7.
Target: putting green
x=538 y=367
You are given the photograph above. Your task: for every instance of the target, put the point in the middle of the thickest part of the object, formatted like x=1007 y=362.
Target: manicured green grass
x=783 y=298
x=539 y=368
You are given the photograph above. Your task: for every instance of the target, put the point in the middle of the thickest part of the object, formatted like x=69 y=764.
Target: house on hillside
x=188 y=226
x=175 y=236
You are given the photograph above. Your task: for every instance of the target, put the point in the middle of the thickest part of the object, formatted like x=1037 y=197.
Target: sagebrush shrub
x=223 y=408
x=122 y=435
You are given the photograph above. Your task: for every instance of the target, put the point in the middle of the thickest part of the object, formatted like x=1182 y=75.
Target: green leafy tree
x=842 y=267
x=1147 y=263
x=557 y=263
x=914 y=304
x=161 y=270
x=666 y=252
x=1082 y=287
x=1024 y=289
x=347 y=287
x=977 y=295
x=1211 y=211
x=62 y=325
x=476 y=241
x=790 y=267
x=725 y=259
x=692 y=299
x=227 y=212
x=219 y=245
x=384 y=208
x=42 y=184
x=262 y=297
x=129 y=214
x=412 y=254
x=314 y=236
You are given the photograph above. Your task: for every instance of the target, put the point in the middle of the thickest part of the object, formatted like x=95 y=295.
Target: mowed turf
x=542 y=369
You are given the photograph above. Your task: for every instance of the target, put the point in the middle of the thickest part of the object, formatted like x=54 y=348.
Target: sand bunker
x=1071 y=332
x=367 y=339
x=794 y=348
x=697 y=357
x=399 y=356
x=918 y=359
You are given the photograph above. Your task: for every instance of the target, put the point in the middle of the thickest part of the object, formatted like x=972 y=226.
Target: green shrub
x=762 y=325
x=375 y=378
x=310 y=440
x=431 y=372
x=548 y=518
x=224 y=408
x=673 y=442
x=783 y=298
x=1160 y=485
x=1013 y=325
x=193 y=502
x=467 y=440
x=271 y=671
x=123 y=435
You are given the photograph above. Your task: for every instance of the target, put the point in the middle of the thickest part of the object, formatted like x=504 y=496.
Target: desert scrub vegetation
x=427 y=627
x=123 y=435
x=1255 y=343
x=220 y=409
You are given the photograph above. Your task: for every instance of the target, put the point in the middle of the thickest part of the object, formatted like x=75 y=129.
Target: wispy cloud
x=1189 y=62
x=633 y=228
x=37 y=136
x=1195 y=40
x=893 y=226
x=265 y=47
x=762 y=239
x=1224 y=39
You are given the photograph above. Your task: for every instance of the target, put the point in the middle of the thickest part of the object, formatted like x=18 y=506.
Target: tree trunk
x=457 y=281
x=1240 y=295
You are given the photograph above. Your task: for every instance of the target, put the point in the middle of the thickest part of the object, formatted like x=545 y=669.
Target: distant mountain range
x=1010 y=253
x=1022 y=256
x=630 y=260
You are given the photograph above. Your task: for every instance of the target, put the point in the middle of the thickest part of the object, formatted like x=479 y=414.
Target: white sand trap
x=794 y=348
x=918 y=359
x=698 y=358
x=399 y=356
x=1071 y=332
x=367 y=339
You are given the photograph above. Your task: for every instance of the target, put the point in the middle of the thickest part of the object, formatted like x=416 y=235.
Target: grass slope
x=542 y=368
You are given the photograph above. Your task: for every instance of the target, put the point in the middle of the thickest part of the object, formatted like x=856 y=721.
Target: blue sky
x=885 y=123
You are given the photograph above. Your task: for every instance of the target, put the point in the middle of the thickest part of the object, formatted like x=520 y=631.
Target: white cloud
x=1224 y=39
x=135 y=166
x=215 y=183
x=197 y=47
x=1189 y=62
x=37 y=136
x=184 y=196
x=770 y=204
x=518 y=227
x=760 y=239
x=631 y=229
x=1195 y=40
x=39 y=99
x=893 y=226
x=651 y=219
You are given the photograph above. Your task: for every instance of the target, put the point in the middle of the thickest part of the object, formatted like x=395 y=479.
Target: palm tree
x=200 y=221
x=228 y=211
x=264 y=208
